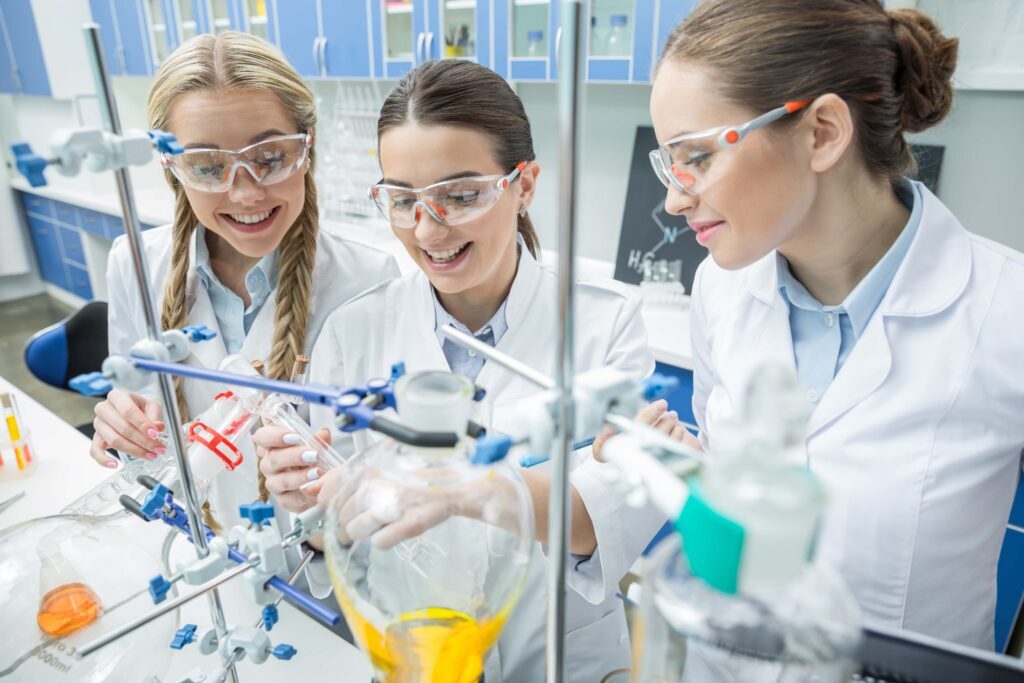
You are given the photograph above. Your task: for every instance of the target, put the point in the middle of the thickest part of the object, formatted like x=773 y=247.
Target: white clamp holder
x=123 y=374
x=99 y=150
x=264 y=542
x=254 y=642
x=200 y=571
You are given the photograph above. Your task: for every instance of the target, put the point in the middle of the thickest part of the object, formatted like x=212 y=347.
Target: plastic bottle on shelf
x=617 y=44
x=535 y=44
x=598 y=39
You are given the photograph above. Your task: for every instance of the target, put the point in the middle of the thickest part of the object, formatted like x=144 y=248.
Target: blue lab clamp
x=155 y=501
x=165 y=143
x=29 y=164
x=491 y=448
x=270 y=616
x=284 y=651
x=259 y=514
x=198 y=333
x=658 y=386
x=185 y=635
x=158 y=588
x=91 y=384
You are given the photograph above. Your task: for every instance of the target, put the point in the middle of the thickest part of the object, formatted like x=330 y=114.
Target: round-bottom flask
x=66 y=580
x=427 y=551
x=688 y=632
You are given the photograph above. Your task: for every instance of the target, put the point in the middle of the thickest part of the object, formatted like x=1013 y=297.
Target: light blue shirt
x=233 y=317
x=462 y=361
x=823 y=336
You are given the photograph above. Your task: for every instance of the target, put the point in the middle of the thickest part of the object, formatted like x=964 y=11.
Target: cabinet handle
x=419 y=48
x=558 y=48
x=430 y=43
x=121 y=62
x=323 y=56
x=316 y=52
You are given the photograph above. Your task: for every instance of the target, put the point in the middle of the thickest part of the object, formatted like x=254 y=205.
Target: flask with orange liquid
x=427 y=606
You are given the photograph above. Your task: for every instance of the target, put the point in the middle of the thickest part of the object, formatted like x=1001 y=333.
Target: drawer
x=113 y=226
x=92 y=222
x=41 y=226
x=71 y=242
x=51 y=263
x=78 y=281
x=38 y=205
x=66 y=214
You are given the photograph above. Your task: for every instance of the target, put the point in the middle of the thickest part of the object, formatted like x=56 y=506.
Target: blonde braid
x=296 y=259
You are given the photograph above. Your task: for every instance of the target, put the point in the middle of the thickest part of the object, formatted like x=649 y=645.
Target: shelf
x=524 y=3
x=398 y=7
x=460 y=4
x=258 y=20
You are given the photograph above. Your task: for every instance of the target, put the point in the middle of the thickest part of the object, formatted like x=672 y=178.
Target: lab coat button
x=830 y=320
x=472 y=354
x=812 y=396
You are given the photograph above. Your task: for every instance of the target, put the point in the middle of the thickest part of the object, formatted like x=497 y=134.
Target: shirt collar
x=498 y=324
x=862 y=302
x=259 y=281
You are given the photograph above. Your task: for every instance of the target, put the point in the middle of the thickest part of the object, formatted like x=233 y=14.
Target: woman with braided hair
x=781 y=129
x=245 y=254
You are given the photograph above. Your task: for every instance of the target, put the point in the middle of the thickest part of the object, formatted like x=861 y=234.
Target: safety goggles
x=450 y=202
x=213 y=170
x=685 y=162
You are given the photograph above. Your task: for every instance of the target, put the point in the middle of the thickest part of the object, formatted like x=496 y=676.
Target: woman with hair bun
x=781 y=129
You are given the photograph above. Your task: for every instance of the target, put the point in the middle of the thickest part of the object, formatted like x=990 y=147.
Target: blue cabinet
x=22 y=62
x=56 y=235
x=127 y=40
x=324 y=38
x=299 y=34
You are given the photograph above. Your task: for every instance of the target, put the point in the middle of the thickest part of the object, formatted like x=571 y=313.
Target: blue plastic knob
x=198 y=333
x=166 y=143
x=91 y=384
x=154 y=501
x=185 y=635
x=658 y=386
x=29 y=164
x=284 y=651
x=270 y=616
x=158 y=588
x=491 y=448
x=257 y=513
x=397 y=370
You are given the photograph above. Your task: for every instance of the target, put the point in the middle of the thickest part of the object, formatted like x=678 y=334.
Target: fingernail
x=309 y=456
x=152 y=433
x=159 y=450
x=312 y=473
x=161 y=426
x=151 y=455
x=308 y=485
x=292 y=439
x=111 y=464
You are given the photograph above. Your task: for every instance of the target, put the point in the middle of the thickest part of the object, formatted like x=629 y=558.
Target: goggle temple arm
x=731 y=136
x=505 y=181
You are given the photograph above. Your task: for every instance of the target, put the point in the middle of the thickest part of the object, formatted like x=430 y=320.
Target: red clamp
x=215 y=442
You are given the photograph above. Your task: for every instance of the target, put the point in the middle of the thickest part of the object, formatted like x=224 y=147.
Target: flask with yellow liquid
x=427 y=549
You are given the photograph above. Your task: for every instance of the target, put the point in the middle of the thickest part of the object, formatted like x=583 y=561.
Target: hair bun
x=927 y=60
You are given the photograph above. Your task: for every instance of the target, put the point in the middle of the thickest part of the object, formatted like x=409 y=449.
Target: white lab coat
x=917 y=440
x=395 y=322
x=343 y=269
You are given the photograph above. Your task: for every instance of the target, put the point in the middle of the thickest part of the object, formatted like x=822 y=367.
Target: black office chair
x=71 y=347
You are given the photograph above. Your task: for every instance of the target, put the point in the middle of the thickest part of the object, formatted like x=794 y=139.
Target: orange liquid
x=67 y=609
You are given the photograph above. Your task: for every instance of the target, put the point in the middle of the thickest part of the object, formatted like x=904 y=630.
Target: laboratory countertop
x=65 y=471
x=668 y=328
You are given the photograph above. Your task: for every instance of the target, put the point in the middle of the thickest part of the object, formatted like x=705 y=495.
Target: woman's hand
x=656 y=415
x=288 y=465
x=129 y=423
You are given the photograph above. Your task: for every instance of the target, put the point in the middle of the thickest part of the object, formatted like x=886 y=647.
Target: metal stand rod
x=520 y=368
x=559 y=520
x=134 y=234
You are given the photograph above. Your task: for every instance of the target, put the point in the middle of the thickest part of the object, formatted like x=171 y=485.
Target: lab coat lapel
x=773 y=341
x=863 y=372
x=206 y=354
x=420 y=321
x=259 y=339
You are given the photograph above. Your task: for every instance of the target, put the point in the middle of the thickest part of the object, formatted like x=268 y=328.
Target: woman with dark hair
x=781 y=127
x=459 y=173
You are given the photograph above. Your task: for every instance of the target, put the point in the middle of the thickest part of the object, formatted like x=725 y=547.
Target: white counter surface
x=668 y=330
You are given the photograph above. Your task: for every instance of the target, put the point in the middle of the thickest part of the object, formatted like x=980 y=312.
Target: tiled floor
x=19 y=320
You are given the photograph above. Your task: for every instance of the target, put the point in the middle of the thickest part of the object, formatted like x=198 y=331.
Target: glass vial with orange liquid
x=17 y=457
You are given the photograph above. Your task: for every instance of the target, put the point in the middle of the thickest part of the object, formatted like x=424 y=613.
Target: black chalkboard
x=648 y=233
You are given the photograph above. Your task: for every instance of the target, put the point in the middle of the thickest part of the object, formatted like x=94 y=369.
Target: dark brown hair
x=456 y=92
x=892 y=68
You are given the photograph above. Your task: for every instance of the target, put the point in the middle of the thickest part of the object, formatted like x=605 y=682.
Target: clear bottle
x=598 y=38
x=429 y=606
x=535 y=44
x=617 y=43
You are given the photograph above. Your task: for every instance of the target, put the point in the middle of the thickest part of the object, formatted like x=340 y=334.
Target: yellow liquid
x=67 y=609
x=432 y=645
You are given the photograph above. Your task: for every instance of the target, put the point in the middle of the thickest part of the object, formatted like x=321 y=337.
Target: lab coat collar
x=933 y=274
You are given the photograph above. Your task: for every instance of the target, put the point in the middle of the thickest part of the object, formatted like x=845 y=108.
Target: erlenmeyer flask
x=428 y=551
x=66 y=580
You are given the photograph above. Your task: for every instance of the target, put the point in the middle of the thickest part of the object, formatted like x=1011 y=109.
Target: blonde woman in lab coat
x=244 y=256
x=457 y=123
x=904 y=328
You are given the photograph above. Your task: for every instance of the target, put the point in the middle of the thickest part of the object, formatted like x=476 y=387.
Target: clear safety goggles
x=450 y=202
x=686 y=162
x=213 y=170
